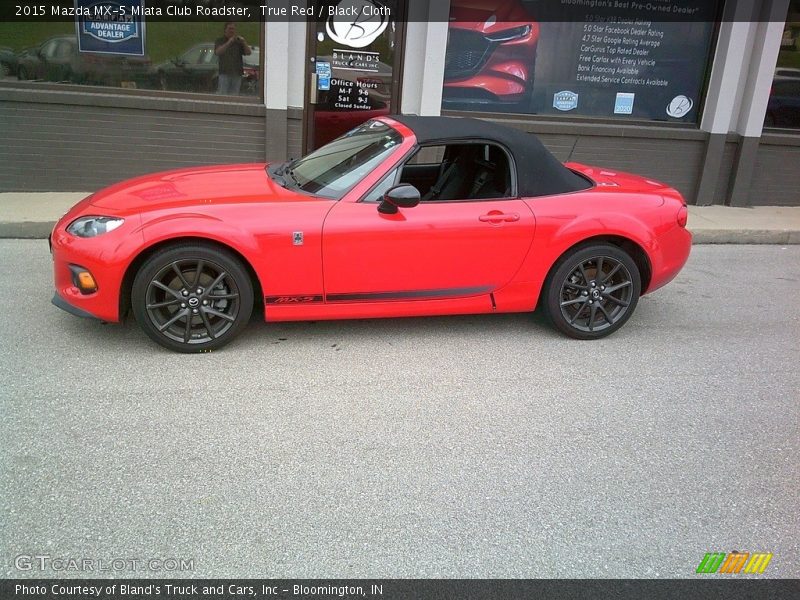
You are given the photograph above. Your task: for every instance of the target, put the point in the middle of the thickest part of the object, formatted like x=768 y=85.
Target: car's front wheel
x=592 y=291
x=192 y=298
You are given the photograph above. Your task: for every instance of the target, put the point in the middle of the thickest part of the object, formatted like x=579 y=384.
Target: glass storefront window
x=172 y=57
x=783 y=108
x=502 y=58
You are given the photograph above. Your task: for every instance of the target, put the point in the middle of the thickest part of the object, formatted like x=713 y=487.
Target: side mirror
x=404 y=195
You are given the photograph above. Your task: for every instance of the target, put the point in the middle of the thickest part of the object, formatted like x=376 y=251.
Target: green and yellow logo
x=735 y=562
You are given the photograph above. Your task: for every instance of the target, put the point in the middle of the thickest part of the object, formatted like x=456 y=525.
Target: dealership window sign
x=323 y=76
x=609 y=62
x=110 y=26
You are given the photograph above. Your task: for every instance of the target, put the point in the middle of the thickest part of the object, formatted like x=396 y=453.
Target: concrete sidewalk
x=33 y=214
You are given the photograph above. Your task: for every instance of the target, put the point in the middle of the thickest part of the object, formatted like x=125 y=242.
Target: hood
x=474 y=14
x=224 y=184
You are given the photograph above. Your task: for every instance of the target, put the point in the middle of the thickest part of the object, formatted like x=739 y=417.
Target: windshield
x=331 y=171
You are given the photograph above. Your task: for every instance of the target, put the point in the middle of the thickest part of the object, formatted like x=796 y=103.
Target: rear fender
x=555 y=236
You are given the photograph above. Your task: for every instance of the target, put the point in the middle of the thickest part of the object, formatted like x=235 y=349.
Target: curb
x=41 y=230
x=26 y=230
x=745 y=236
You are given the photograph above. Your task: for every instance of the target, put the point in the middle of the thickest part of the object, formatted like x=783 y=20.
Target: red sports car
x=402 y=216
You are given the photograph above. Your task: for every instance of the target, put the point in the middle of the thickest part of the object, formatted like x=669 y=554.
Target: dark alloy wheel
x=592 y=291
x=192 y=298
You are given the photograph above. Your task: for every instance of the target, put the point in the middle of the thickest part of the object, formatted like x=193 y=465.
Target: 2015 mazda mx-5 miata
x=402 y=216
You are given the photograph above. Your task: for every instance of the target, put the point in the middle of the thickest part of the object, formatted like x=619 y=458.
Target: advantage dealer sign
x=110 y=26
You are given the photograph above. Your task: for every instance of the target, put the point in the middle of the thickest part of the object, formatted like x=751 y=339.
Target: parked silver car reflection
x=197 y=70
x=57 y=59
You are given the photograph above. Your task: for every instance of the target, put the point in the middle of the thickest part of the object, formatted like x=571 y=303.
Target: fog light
x=83 y=280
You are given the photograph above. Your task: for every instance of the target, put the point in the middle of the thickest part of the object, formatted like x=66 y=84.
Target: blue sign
x=565 y=100
x=623 y=105
x=110 y=26
x=323 y=76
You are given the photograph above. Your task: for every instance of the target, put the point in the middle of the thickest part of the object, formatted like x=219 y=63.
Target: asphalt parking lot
x=476 y=446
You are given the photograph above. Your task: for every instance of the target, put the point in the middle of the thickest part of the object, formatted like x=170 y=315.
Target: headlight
x=87 y=227
x=510 y=34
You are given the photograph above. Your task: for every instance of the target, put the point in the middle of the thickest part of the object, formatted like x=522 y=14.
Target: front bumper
x=506 y=83
x=106 y=257
x=73 y=310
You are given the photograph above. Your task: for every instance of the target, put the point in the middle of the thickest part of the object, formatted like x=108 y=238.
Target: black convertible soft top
x=539 y=173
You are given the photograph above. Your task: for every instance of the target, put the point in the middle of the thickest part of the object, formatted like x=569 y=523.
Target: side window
x=192 y=57
x=376 y=195
x=453 y=172
x=65 y=49
x=49 y=49
x=207 y=56
x=428 y=155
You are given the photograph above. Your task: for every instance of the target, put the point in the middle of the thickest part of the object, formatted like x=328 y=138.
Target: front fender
x=263 y=235
x=159 y=229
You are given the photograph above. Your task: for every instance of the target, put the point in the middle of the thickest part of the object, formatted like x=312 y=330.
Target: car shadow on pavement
x=353 y=331
x=436 y=328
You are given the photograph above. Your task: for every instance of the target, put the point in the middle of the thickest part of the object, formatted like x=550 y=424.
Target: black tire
x=192 y=298
x=586 y=306
x=22 y=74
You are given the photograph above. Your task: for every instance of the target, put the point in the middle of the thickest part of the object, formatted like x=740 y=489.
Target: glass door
x=354 y=55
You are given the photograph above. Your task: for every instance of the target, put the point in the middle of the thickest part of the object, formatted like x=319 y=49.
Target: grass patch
x=789 y=58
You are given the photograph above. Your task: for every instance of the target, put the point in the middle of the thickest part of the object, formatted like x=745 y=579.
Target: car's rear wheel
x=592 y=291
x=192 y=298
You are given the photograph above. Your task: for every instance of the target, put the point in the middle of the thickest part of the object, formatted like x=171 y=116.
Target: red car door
x=434 y=250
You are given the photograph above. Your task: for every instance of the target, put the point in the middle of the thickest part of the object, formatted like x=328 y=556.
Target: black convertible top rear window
x=539 y=173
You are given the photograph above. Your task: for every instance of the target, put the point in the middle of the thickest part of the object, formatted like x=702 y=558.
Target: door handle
x=497 y=217
x=313 y=95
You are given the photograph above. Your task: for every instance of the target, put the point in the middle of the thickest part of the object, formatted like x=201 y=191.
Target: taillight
x=683 y=216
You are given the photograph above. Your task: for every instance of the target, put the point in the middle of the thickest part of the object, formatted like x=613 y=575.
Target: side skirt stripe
x=381 y=296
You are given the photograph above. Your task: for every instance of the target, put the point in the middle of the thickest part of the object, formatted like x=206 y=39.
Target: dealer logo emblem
x=357 y=23
x=679 y=106
x=565 y=100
